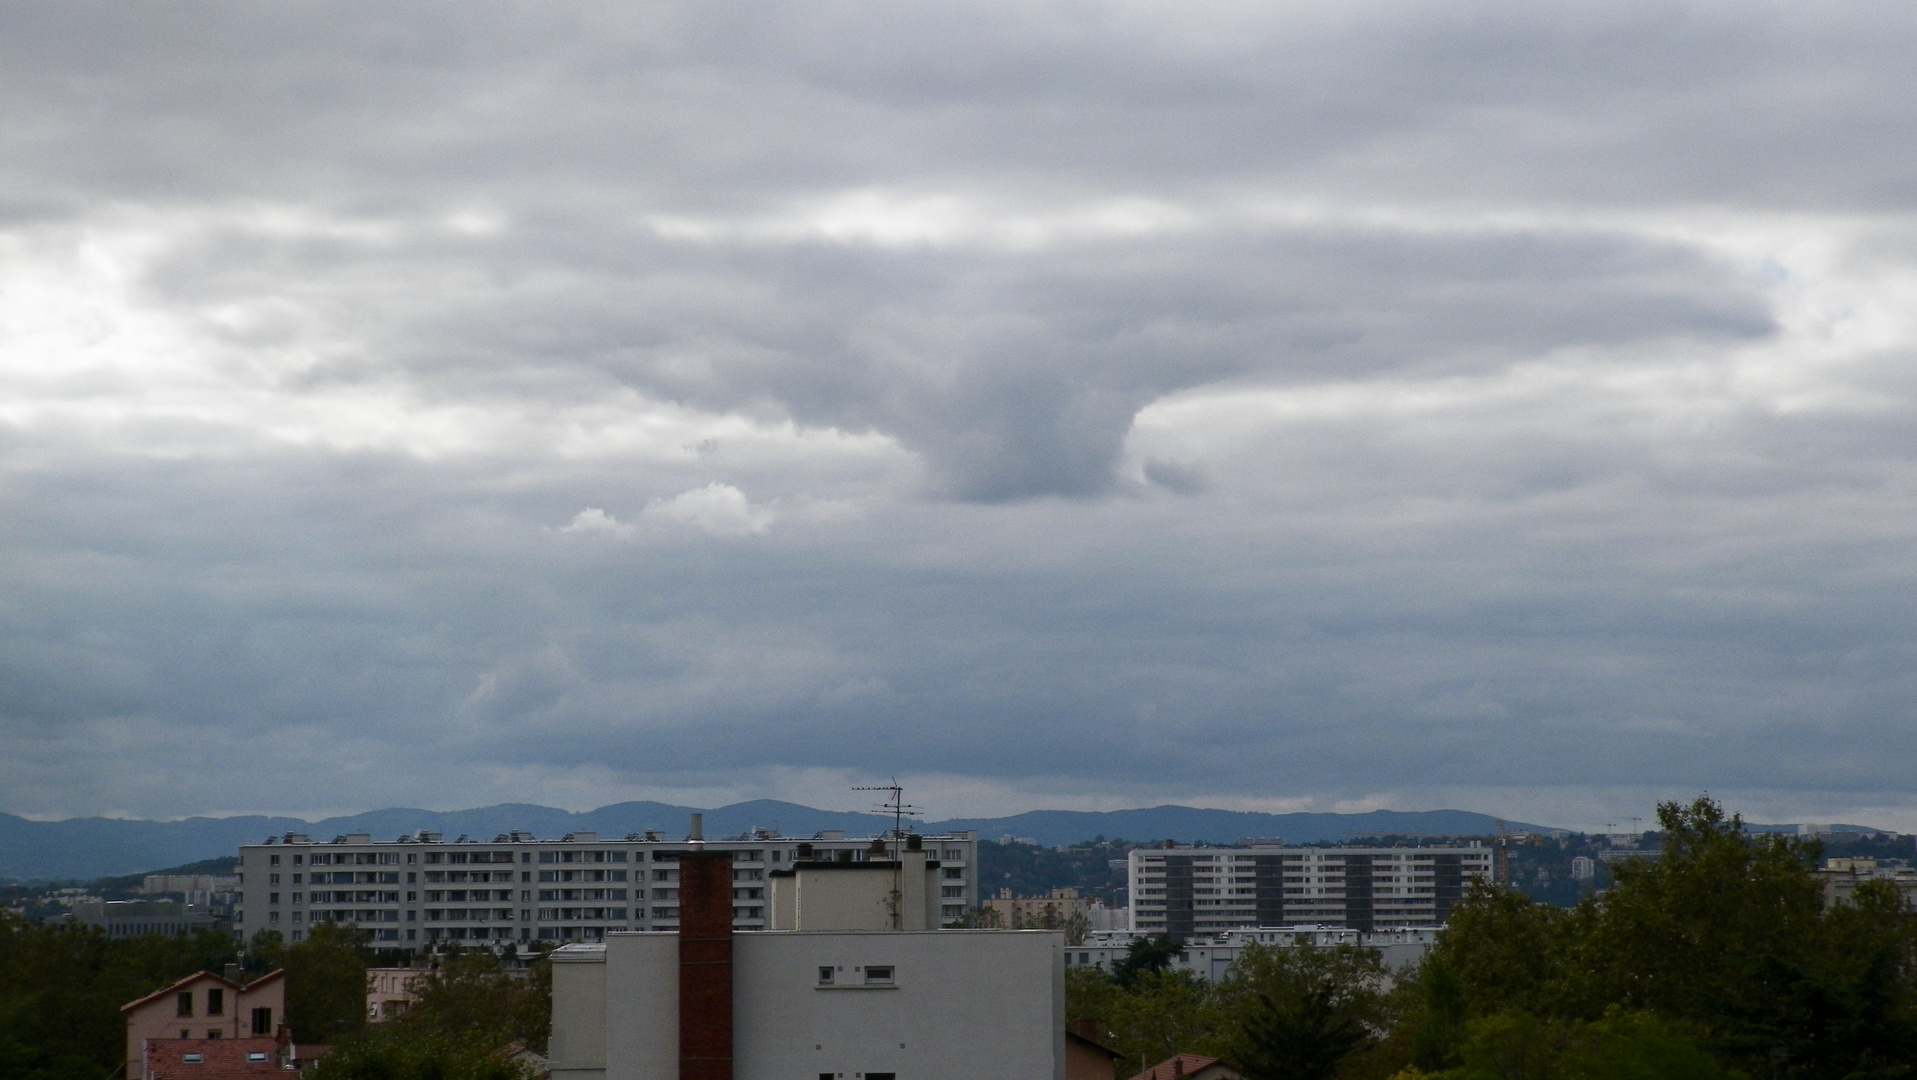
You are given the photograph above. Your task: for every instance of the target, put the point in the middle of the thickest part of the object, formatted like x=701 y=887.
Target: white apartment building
x=421 y=889
x=1187 y=892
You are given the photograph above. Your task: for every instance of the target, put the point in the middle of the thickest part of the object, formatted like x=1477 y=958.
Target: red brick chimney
x=705 y=965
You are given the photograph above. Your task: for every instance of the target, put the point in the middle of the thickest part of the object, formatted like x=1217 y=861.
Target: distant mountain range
x=88 y=848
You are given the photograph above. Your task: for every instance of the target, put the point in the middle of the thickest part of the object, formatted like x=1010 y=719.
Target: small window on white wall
x=825 y=976
x=878 y=973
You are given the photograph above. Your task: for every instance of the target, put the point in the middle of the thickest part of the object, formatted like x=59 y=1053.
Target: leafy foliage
x=325 y=979
x=470 y=1013
x=62 y=985
x=1720 y=958
x=1725 y=941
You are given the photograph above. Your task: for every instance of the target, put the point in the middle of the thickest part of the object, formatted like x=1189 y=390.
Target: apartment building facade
x=1190 y=891
x=421 y=889
x=1211 y=956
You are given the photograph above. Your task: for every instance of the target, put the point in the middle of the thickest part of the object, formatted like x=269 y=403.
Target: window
x=253 y=1056
x=881 y=1076
x=212 y=1033
x=191 y=1059
x=272 y=860
x=184 y=1005
x=263 y=1020
x=879 y=974
x=216 y=1002
x=825 y=976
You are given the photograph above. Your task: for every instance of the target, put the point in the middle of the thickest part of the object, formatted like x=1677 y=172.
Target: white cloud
x=719 y=509
x=593 y=521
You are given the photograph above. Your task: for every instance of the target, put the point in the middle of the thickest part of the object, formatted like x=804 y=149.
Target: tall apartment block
x=1186 y=891
x=421 y=889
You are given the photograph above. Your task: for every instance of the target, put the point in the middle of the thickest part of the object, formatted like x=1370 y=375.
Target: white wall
x=961 y=1004
x=577 y=1048
x=856 y=896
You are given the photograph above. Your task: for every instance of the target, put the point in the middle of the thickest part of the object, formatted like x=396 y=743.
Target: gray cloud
x=1076 y=403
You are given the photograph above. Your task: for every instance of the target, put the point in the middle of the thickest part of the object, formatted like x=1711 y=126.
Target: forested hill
x=87 y=848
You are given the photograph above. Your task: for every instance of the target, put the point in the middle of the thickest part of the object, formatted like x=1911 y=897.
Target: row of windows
x=603 y=875
x=460 y=896
x=617 y=914
x=346 y=877
x=469 y=914
x=343 y=858
x=352 y=915
x=1328 y=860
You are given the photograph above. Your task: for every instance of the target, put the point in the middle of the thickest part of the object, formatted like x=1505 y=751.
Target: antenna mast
x=895 y=802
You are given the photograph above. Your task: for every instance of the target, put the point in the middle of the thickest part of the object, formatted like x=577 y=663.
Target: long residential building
x=515 y=888
x=1211 y=956
x=1190 y=891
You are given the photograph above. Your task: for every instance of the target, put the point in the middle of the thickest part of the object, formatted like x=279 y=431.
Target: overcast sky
x=1509 y=407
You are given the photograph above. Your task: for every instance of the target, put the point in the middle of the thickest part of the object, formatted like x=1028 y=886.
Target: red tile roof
x=212 y=1059
x=1177 y=1065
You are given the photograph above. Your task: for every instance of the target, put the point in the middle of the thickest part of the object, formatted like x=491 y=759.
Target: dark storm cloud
x=1051 y=401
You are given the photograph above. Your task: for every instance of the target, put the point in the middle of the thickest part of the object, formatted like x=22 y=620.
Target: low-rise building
x=204 y=1007
x=389 y=991
x=1210 y=956
x=203 y=890
x=703 y=1003
x=1191 y=1067
x=1085 y=1057
x=138 y=918
x=214 y=1059
x=1841 y=877
x=1055 y=910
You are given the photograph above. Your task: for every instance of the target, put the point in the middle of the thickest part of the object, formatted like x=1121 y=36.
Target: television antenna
x=894 y=804
x=900 y=809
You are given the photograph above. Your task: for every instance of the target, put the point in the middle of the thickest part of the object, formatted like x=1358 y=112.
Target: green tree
x=1300 y=1011
x=1304 y=1036
x=1507 y=951
x=470 y=1011
x=62 y=985
x=1162 y=1013
x=1440 y=1024
x=1624 y=1045
x=470 y=999
x=1144 y=956
x=326 y=983
x=392 y=1051
x=1682 y=934
x=1724 y=938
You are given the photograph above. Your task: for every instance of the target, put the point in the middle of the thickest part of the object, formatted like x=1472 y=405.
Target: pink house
x=204 y=1006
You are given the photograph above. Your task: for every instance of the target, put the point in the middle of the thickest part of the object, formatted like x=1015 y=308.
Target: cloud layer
x=1062 y=405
